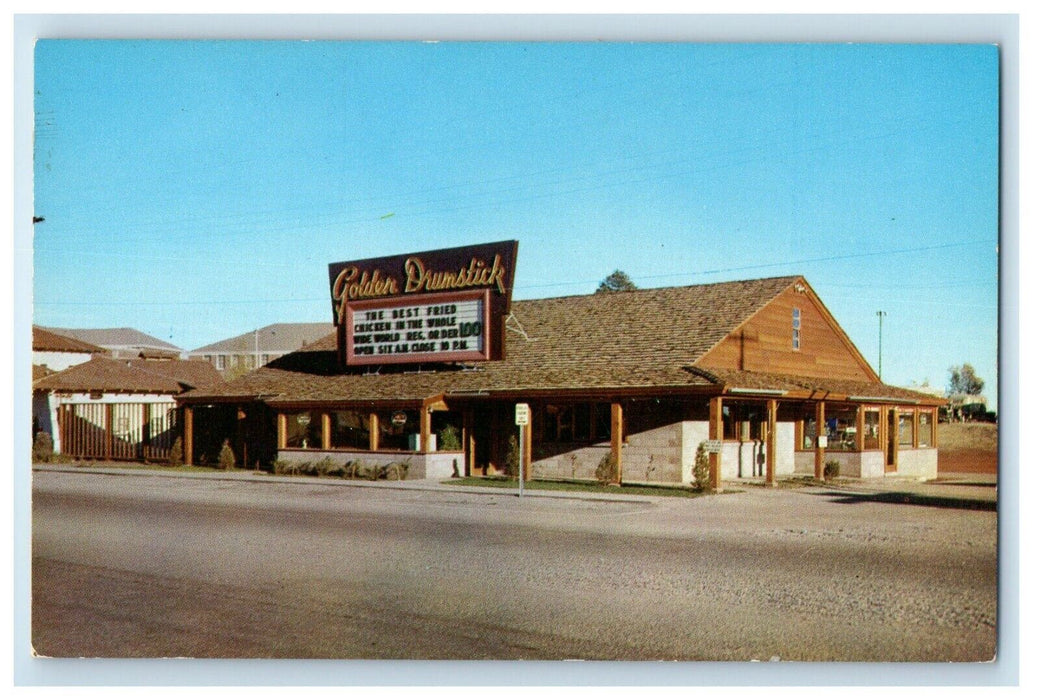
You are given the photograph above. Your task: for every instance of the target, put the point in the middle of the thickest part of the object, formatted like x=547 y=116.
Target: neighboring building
x=115 y=409
x=122 y=343
x=258 y=347
x=758 y=371
x=53 y=352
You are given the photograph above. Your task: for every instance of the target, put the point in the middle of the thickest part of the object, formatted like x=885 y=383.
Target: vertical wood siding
x=120 y=431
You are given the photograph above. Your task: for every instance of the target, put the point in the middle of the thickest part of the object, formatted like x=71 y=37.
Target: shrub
x=176 y=456
x=606 y=470
x=512 y=465
x=226 y=459
x=831 y=469
x=43 y=447
x=701 y=469
x=323 y=466
x=448 y=439
x=395 y=471
x=351 y=468
x=368 y=471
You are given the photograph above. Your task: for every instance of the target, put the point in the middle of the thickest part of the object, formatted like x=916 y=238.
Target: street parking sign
x=523 y=414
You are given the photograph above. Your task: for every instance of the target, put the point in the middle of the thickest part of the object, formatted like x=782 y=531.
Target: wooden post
x=282 y=431
x=715 y=433
x=860 y=423
x=915 y=429
x=617 y=425
x=108 y=431
x=146 y=430
x=469 y=443
x=189 y=435
x=326 y=430
x=373 y=432
x=424 y=430
x=821 y=430
x=771 y=407
x=893 y=437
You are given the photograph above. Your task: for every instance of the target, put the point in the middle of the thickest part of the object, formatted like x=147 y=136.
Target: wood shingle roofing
x=132 y=376
x=641 y=339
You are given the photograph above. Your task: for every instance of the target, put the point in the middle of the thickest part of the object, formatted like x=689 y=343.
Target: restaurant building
x=431 y=357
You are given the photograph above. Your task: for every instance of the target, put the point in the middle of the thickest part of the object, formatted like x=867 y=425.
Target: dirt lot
x=968 y=448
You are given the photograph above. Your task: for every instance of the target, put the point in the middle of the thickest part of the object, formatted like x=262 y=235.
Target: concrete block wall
x=654 y=455
x=922 y=463
x=579 y=463
x=694 y=433
x=784 y=448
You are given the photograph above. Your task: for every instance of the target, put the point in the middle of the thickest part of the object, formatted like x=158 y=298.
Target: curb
x=414 y=485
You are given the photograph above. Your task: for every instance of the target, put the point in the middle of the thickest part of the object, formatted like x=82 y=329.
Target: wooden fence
x=118 y=431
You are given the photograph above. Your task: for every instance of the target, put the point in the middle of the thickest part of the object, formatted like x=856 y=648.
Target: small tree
x=512 y=464
x=448 y=439
x=227 y=457
x=616 y=281
x=43 y=447
x=963 y=380
x=701 y=469
x=176 y=456
x=606 y=470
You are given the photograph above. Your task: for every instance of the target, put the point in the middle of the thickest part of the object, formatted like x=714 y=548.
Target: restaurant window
x=796 y=328
x=742 y=421
x=350 y=429
x=841 y=429
x=809 y=434
x=303 y=430
x=581 y=422
x=395 y=428
x=924 y=429
x=871 y=429
x=906 y=429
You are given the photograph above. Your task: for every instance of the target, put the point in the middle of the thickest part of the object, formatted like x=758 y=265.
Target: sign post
x=523 y=418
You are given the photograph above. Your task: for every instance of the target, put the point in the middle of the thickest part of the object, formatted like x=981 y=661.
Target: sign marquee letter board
x=445 y=305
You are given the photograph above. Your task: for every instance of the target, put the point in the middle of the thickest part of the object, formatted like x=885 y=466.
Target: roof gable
x=116 y=337
x=44 y=340
x=275 y=338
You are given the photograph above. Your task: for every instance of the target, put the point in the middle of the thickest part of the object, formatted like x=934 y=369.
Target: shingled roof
x=132 y=376
x=275 y=338
x=650 y=339
x=116 y=338
x=622 y=340
x=44 y=340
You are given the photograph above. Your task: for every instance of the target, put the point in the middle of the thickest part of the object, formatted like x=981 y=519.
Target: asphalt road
x=150 y=566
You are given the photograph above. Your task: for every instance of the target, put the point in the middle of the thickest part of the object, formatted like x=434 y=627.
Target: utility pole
x=880 y=316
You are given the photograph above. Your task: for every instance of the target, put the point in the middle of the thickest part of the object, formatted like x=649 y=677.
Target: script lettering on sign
x=437 y=328
x=442 y=305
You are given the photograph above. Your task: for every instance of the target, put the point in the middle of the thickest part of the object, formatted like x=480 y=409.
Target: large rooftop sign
x=439 y=306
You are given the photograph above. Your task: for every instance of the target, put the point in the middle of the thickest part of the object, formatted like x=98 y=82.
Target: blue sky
x=198 y=190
